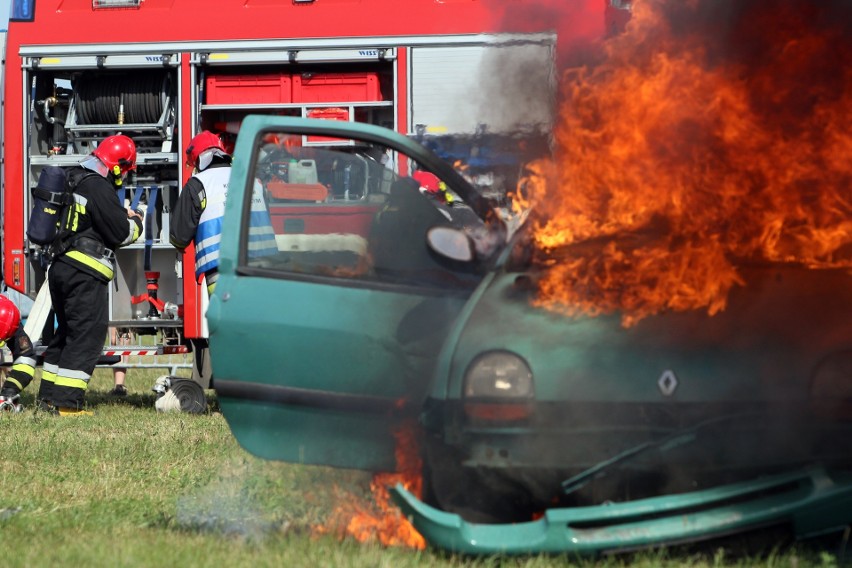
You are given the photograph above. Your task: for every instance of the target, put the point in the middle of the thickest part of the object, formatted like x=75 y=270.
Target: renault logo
x=667 y=383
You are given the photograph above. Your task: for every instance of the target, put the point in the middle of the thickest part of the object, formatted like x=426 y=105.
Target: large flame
x=381 y=520
x=715 y=132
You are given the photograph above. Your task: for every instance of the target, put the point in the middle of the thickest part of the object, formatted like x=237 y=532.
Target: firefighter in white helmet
x=83 y=265
x=23 y=356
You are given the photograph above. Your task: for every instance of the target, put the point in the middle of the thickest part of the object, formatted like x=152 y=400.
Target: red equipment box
x=280 y=190
x=333 y=113
x=336 y=87
x=248 y=89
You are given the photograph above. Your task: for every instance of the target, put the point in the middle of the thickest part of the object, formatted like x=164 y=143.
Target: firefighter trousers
x=80 y=302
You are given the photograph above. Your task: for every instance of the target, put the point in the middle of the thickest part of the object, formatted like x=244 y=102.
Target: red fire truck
x=161 y=71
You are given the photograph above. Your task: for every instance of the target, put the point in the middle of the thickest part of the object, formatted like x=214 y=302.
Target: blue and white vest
x=261 y=235
x=208 y=235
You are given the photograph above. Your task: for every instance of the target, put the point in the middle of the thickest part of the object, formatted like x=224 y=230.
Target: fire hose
x=142 y=97
x=179 y=395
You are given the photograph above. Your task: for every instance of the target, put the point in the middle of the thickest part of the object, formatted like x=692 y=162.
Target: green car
x=395 y=315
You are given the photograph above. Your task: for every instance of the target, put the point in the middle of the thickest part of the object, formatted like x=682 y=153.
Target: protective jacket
x=197 y=217
x=95 y=226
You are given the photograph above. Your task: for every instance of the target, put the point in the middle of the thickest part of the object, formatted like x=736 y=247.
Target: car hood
x=786 y=325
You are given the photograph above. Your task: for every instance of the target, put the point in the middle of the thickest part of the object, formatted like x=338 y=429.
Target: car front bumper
x=811 y=502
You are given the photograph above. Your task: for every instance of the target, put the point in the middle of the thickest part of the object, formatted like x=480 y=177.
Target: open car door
x=330 y=311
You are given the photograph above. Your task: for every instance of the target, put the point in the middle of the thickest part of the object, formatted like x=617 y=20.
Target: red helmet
x=118 y=150
x=429 y=182
x=10 y=318
x=202 y=142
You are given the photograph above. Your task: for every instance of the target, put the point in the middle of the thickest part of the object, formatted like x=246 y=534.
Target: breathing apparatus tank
x=50 y=198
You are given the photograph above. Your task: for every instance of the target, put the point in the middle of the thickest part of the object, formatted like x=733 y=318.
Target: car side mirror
x=451 y=243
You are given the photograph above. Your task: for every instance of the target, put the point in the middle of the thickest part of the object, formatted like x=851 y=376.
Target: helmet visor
x=93 y=163
x=206 y=157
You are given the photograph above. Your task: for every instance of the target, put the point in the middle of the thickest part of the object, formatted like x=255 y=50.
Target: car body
x=572 y=434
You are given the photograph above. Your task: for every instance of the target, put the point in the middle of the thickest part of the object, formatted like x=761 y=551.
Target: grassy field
x=133 y=487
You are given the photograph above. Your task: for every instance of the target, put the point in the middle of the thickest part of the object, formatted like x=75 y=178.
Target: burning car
x=397 y=310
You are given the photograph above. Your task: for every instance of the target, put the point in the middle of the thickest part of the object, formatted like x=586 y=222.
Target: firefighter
x=23 y=356
x=83 y=265
x=198 y=213
x=398 y=233
x=197 y=217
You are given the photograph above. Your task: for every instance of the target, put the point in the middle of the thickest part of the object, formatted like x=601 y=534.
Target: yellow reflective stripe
x=83 y=258
x=14 y=382
x=69 y=382
x=78 y=210
x=48 y=376
x=133 y=234
x=24 y=368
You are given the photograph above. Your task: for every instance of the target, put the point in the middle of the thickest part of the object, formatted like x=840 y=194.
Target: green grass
x=133 y=487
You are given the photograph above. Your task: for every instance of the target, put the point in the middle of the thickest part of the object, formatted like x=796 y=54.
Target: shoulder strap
x=72 y=182
x=62 y=242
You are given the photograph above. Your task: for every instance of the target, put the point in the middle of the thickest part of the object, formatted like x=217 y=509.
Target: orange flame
x=382 y=521
x=693 y=147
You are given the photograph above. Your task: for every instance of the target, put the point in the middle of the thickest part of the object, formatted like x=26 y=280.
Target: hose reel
x=122 y=98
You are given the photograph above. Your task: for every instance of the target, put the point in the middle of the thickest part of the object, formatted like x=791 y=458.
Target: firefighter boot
x=66 y=411
x=10 y=401
x=52 y=410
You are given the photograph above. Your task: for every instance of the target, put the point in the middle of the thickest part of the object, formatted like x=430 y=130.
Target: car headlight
x=499 y=375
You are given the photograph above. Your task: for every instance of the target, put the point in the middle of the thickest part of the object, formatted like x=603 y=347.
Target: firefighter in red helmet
x=23 y=356
x=201 y=204
x=198 y=214
x=197 y=218
x=83 y=265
